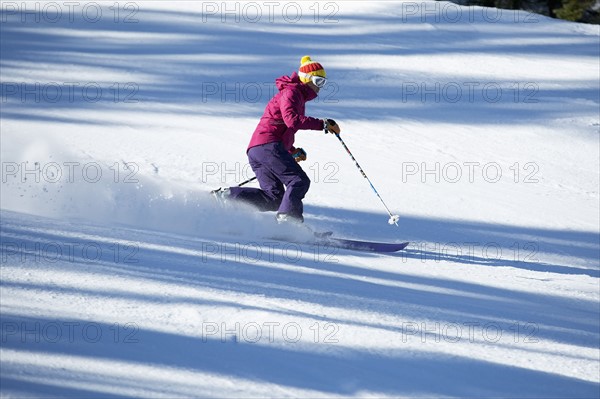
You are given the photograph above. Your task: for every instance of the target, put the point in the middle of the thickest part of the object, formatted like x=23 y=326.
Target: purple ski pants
x=274 y=168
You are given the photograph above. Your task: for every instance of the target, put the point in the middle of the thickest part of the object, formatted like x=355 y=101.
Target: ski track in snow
x=120 y=277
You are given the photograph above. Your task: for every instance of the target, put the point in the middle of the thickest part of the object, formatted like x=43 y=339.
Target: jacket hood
x=293 y=82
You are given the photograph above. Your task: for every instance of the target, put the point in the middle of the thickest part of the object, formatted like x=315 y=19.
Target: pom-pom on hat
x=310 y=68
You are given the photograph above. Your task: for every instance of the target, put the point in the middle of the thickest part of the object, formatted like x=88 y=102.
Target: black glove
x=330 y=126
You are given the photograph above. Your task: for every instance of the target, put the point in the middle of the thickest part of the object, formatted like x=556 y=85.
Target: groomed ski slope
x=121 y=278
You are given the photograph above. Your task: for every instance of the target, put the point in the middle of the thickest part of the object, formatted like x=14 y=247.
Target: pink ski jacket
x=284 y=114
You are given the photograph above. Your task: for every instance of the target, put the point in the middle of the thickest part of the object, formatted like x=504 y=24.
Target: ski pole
x=393 y=218
x=239 y=185
x=247 y=181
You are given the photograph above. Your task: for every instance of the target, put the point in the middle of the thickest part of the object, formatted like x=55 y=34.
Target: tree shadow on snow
x=341 y=371
x=206 y=64
x=183 y=261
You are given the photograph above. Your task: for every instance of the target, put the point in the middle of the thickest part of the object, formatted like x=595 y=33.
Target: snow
x=120 y=276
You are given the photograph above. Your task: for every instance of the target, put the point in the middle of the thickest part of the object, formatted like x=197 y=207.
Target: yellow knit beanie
x=310 y=68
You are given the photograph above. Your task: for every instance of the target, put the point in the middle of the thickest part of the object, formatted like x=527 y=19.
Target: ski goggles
x=319 y=81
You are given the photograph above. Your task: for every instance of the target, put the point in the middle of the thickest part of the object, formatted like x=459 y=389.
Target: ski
x=326 y=239
x=360 y=245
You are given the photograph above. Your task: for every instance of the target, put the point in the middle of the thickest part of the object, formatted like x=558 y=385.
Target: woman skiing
x=271 y=152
